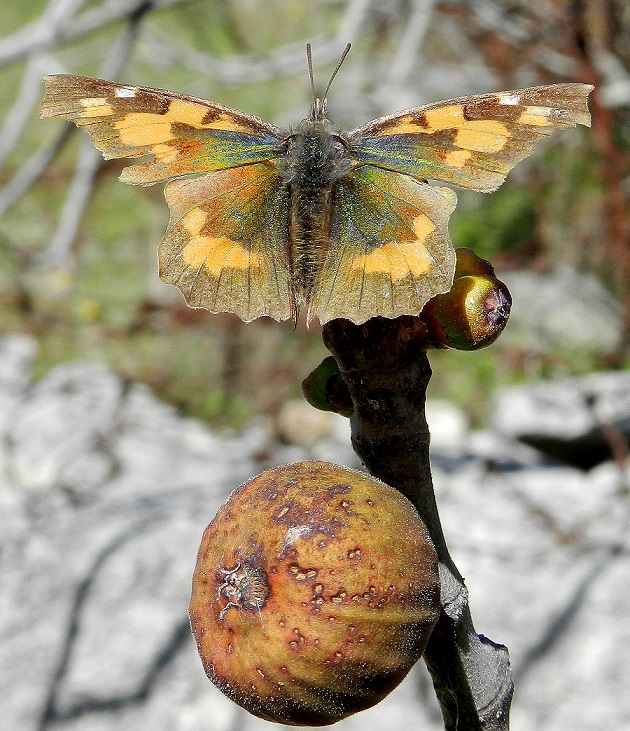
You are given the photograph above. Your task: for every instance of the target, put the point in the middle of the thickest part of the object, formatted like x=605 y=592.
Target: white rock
x=569 y=418
x=448 y=424
x=93 y=627
x=561 y=307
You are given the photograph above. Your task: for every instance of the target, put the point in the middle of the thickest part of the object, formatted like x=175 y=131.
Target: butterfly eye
x=339 y=147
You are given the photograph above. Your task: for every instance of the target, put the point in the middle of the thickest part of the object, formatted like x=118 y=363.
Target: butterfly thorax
x=316 y=160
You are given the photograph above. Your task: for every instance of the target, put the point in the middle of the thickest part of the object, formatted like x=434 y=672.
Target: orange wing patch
x=482 y=135
x=440 y=118
x=215 y=253
x=96 y=107
x=400 y=259
x=145 y=128
x=457 y=158
x=535 y=116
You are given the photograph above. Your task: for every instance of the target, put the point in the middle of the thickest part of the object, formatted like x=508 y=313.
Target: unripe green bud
x=326 y=390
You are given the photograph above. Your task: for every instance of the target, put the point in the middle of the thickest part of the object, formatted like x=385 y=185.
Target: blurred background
x=78 y=249
x=171 y=400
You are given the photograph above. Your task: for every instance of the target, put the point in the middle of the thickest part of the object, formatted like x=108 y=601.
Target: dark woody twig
x=386 y=369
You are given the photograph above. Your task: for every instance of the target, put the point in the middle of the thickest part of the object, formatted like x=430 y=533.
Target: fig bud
x=474 y=312
x=315 y=591
x=326 y=390
x=468 y=263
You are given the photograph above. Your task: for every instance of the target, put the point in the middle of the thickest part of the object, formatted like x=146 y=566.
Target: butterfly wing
x=225 y=245
x=185 y=135
x=473 y=141
x=391 y=250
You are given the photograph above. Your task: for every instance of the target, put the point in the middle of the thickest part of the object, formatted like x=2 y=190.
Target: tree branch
x=244 y=68
x=55 y=15
x=40 y=35
x=19 y=114
x=405 y=60
x=247 y=68
x=31 y=170
x=386 y=370
x=88 y=161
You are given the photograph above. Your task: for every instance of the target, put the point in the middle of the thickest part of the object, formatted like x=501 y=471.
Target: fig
x=315 y=591
x=326 y=390
x=471 y=315
x=474 y=312
x=467 y=264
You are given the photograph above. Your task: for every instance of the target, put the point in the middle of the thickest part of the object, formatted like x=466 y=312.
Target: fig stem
x=385 y=366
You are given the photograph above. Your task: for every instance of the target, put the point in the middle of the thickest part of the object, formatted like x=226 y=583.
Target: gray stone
x=562 y=307
x=545 y=555
x=95 y=582
x=578 y=420
x=61 y=433
x=17 y=353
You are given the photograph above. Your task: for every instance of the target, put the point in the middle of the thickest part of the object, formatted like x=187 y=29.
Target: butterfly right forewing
x=472 y=141
x=183 y=134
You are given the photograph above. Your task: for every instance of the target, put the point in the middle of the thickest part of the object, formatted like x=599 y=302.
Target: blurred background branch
x=61 y=25
x=89 y=159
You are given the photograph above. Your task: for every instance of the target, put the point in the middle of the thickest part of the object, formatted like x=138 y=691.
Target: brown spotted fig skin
x=315 y=591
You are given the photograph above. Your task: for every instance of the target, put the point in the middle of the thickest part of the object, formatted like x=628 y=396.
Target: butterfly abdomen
x=316 y=159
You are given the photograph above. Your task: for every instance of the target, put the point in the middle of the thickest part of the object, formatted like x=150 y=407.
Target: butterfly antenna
x=337 y=67
x=309 y=59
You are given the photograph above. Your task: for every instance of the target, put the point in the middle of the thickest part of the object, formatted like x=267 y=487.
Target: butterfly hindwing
x=226 y=243
x=185 y=135
x=391 y=250
x=473 y=141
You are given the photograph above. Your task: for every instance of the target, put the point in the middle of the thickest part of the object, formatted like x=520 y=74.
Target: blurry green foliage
x=502 y=222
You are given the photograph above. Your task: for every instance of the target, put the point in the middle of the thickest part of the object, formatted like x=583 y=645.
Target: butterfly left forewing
x=225 y=247
x=473 y=141
x=183 y=134
x=391 y=250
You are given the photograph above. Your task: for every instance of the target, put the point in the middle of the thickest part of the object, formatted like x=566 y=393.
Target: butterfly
x=267 y=221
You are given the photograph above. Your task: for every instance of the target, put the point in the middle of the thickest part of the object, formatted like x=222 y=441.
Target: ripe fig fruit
x=315 y=591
